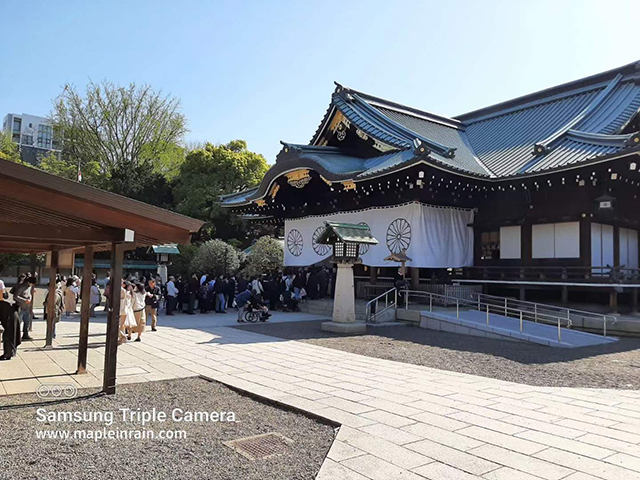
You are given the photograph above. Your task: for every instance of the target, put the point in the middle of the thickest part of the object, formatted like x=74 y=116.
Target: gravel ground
x=615 y=365
x=200 y=456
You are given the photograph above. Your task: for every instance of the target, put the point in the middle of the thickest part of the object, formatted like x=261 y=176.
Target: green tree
x=217 y=257
x=117 y=125
x=181 y=264
x=210 y=172
x=267 y=254
x=8 y=149
x=56 y=165
x=140 y=182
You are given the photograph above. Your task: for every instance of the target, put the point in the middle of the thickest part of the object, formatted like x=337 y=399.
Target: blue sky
x=264 y=70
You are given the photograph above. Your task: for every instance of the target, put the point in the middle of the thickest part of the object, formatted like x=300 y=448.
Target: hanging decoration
x=298 y=178
x=433 y=236
x=320 y=248
x=295 y=242
x=398 y=235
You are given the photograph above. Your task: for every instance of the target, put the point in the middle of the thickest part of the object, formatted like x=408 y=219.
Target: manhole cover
x=260 y=446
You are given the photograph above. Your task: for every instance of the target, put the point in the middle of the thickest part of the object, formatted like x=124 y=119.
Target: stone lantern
x=346 y=239
x=162 y=256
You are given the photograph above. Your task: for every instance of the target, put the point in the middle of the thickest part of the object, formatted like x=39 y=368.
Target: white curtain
x=434 y=237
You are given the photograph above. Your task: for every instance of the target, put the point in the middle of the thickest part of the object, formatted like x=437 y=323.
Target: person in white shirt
x=256 y=286
x=139 y=304
x=172 y=295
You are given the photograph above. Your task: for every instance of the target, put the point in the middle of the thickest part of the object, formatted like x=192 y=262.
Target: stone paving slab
x=399 y=421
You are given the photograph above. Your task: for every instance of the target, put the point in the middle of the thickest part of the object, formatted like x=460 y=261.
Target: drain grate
x=261 y=446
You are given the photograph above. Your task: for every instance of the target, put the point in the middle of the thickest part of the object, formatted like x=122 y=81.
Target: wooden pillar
x=51 y=299
x=113 y=319
x=85 y=310
x=373 y=275
x=526 y=243
x=613 y=301
x=523 y=293
x=415 y=278
x=616 y=246
x=585 y=242
x=565 y=295
x=634 y=300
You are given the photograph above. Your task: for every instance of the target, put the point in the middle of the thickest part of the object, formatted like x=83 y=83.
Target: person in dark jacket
x=271 y=292
x=152 y=302
x=220 y=289
x=10 y=322
x=323 y=282
x=181 y=298
x=193 y=289
x=231 y=291
x=312 y=285
x=241 y=284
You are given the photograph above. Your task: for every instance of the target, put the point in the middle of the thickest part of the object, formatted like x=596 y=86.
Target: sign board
x=66 y=259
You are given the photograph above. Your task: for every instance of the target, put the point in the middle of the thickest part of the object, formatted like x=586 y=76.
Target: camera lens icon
x=50 y=390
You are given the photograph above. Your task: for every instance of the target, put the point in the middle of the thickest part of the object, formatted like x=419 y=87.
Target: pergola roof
x=40 y=212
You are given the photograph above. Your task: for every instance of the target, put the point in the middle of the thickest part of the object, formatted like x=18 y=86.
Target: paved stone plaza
x=399 y=421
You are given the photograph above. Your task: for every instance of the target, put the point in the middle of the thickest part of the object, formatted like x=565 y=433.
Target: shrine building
x=537 y=193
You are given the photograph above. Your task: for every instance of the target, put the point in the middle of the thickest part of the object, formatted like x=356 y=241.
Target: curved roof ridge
x=543 y=146
x=603 y=138
x=422 y=114
x=406 y=132
x=566 y=89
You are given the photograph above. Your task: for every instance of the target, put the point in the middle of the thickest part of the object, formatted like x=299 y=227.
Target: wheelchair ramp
x=474 y=322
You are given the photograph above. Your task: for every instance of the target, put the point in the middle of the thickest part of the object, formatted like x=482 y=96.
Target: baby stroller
x=255 y=311
x=289 y=303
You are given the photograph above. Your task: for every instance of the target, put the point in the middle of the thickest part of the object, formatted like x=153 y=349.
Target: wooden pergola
x=42 y=213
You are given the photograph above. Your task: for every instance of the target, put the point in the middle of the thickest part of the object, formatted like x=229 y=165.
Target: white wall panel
x=596 y=245
x=543 y=242
x=623 y=242
x=633 y=249
x=607 y=245
x=567 y=240
x=628 y=248
x=510 y=243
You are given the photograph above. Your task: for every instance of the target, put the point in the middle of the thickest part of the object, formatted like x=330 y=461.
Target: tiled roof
x=557 y=127
x=499 y=140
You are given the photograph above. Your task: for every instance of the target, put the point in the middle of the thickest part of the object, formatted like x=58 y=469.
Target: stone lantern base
x=344 y=305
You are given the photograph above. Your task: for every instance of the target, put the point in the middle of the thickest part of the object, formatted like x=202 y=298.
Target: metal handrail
x=538 y=309
x=370 y=317
x=503 y=309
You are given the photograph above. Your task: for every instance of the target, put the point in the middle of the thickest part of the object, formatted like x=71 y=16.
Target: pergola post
x=113 y=319
x=51 y=299
x=85 y=310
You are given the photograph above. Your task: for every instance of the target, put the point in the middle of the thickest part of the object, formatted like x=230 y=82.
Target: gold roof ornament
x=261 y=202
x=275 y=190
x=349 y=185
x=298 y=178
x=328 y=182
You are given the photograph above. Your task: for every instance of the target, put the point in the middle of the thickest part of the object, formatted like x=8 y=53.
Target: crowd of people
x=143 y=297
